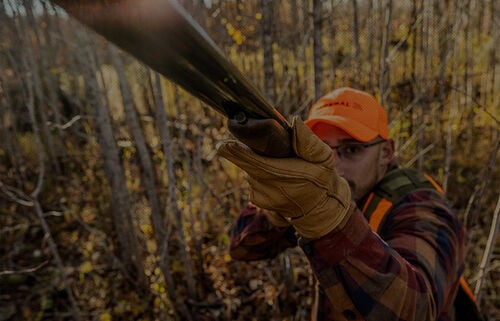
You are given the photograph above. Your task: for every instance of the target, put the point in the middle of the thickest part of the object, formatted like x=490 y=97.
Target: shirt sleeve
x=408 y=272
x=253 y=237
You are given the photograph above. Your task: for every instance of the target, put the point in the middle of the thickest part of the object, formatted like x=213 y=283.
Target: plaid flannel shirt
x=409 y=271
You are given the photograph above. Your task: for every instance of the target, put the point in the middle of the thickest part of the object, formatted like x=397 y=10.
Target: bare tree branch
x=24 y=271
x=490 y=245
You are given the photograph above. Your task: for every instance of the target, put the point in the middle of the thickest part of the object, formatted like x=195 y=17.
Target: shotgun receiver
x=161 y=34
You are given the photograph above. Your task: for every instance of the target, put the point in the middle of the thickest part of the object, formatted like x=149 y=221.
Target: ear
x=387 y=152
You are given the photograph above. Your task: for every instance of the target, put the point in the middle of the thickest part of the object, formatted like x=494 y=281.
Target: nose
x=339 y=164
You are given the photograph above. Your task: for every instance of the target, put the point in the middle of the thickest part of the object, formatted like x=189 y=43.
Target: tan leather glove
x=305 y=189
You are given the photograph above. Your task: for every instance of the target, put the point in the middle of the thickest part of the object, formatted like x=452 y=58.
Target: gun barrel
x=165 y=37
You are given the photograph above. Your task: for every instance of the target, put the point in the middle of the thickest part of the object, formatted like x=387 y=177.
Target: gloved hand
x=304 y=190
x=264 y=136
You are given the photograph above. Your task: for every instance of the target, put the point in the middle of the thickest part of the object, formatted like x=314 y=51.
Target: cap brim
x=352 y=128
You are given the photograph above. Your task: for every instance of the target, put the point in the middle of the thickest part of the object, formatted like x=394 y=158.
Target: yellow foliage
x=157 y=303
x=89 y=246
x=110 y=84
x=158 y=288
x=151 y=246
x=86 y=267
x=147 y=229
x=28 y=145
x=122 y=307
x=238 y=37
x=106 y=316
x=230 y=29
x=177 y=266
x=74 y=236
x=88 y=214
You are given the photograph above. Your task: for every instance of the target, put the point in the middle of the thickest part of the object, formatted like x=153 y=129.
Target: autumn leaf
x=105 y=317
x=86 y=267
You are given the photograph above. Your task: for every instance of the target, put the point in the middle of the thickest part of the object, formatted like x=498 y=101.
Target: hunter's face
x=362 y=164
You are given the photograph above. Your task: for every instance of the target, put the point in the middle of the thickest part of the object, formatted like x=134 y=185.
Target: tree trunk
x=33 y=197
x=473 y=211
x=8 y=123
x=451 y=51
x=318 y=47
x=384 y=73
x=268 y=12
x=129 y=248
x=371 y=46
x=154 y=81
x=35 y=66
x=189 y=201
x=416 y=82
x=490 y=246
x=356 y=49
x=148 y=172
x=163 y=125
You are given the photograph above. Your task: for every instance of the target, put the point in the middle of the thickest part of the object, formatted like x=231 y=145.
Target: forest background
x=114 y=204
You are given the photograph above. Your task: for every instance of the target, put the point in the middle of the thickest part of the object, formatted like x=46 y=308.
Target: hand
x=304 y=189
x=264 y=136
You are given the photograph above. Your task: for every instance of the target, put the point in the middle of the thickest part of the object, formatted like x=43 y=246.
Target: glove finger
x=274 y=170
x=240 y=155
x=293 y=199
x=262 y=167
x=308 y=146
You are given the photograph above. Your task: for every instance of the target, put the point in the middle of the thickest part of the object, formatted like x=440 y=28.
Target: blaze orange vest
x=396 y=184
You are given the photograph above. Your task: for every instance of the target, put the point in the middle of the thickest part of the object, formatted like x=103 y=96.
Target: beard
x=359 y=191
x=352 y=186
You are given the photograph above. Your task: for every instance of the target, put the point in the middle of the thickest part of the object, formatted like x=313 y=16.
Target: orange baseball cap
x=354 y=111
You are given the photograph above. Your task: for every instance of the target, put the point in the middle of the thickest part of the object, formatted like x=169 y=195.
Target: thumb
x=307 y=145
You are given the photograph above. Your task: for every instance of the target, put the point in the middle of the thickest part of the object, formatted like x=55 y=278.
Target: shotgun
x=162 y=35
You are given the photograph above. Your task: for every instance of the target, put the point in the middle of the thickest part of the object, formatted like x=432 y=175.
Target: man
x=405 y=264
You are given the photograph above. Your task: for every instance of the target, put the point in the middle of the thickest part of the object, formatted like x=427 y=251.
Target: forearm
x=254 y=238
